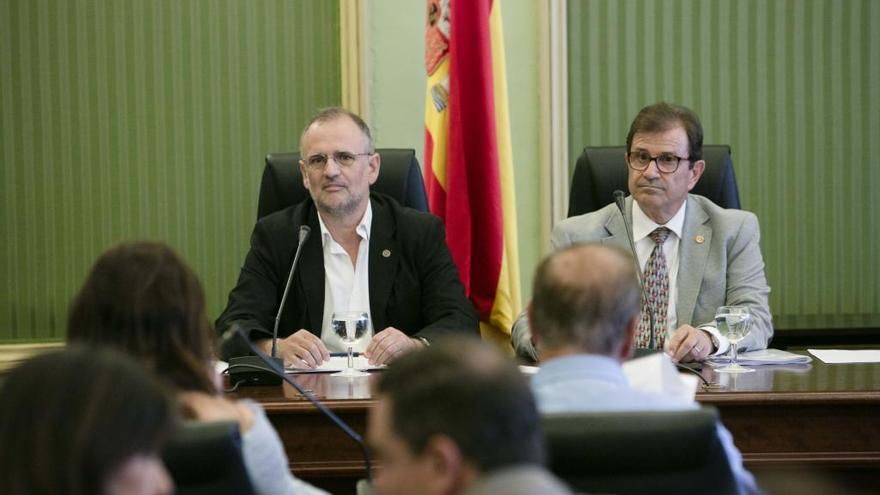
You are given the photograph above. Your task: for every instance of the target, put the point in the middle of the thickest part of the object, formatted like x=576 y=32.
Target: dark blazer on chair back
x=600 y=170
x=399 y=177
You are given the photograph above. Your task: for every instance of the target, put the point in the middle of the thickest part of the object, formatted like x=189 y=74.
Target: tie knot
x=659 y=235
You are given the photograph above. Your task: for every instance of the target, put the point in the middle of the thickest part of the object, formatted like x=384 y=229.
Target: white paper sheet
x=528 y=370
x=655 y=373
x=838 y=356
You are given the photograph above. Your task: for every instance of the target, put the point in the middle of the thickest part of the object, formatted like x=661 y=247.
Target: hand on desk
x=303 y=349
x=689 y=344
x=388 y=344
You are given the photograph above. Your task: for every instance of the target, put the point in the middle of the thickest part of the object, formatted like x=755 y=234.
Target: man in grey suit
x=701 y=256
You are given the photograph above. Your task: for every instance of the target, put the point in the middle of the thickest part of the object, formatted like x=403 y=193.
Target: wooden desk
x=818 y=414
x=814 y=415
x=318 y=450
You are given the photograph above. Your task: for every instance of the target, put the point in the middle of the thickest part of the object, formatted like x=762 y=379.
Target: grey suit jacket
x=518 y=480
x=725 y=269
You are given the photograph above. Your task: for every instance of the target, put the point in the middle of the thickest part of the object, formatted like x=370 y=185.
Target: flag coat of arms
x=468 y=164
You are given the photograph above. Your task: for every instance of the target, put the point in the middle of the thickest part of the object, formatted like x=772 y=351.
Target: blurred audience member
x=143 y=299
x=457 y=418
x=81 y=422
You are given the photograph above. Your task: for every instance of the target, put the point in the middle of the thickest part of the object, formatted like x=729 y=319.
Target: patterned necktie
x=657 y=289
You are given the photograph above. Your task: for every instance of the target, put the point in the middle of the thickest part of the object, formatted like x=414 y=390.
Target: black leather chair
x=639 y=452
x=205 y=458
x=399 y=177
x=601 y=170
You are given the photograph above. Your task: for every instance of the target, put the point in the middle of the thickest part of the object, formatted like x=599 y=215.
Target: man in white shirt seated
x=584 y=315
x=366 y=253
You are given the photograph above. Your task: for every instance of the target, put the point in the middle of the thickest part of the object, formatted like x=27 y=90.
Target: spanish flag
x=469 y=171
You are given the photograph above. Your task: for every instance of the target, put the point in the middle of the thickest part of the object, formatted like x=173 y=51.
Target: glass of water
x=350 y=326
x=734 y=322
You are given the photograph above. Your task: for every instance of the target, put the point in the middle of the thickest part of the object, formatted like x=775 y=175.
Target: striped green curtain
x=794 y=87
x=137 y=119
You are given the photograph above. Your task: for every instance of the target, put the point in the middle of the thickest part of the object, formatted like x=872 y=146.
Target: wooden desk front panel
x=816 y=415
x=803 y=429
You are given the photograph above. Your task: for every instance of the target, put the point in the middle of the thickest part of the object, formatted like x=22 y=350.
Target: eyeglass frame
x=307 y=161
x=655 y=160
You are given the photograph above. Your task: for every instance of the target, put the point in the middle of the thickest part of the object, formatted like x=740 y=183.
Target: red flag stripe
x=473 y=187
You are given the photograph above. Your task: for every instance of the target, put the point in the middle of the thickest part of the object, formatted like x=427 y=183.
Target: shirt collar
x=363 y=228
x=580 y=366
x=643 y=225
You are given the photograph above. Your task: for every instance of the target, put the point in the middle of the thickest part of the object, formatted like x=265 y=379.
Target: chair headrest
x=614 y=442
x=206 y=457
x=625 y=452
x=399 y=177
x=600 y=170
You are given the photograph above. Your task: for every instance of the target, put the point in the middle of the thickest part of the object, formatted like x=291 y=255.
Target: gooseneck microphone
x=621 y=205
x=303 y=236
x=273 y=366
x=250 y=369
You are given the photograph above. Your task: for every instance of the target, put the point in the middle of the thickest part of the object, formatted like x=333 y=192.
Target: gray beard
x=340 y=210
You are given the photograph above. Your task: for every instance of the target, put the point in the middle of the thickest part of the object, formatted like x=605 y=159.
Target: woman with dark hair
x=80 y=422
x=143 y=299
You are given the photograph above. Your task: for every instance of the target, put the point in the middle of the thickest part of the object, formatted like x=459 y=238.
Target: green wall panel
x=794 y=87
x=124 y=120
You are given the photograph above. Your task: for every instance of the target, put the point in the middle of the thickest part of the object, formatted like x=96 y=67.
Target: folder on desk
x=764 y=357
x=338 y=363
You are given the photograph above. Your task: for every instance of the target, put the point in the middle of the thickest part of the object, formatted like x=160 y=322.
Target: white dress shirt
x=346 y=287
x=642 y=228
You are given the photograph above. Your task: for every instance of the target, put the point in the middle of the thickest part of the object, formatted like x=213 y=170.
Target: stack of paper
x=764 y=357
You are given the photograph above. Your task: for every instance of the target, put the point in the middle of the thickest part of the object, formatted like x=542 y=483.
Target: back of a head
x=583 y=297
x=68 y=419
x=141 y=298
x=468 y=391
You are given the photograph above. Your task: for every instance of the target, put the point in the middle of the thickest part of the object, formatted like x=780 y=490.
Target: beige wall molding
x=11 y=355
x=353 y=45
x=553 y=114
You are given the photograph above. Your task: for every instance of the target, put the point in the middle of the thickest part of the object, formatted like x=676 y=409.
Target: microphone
x=251 y=369
x=621 y=205
x=303 y=235
x=274 y=366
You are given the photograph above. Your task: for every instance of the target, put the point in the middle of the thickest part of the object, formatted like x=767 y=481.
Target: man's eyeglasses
x=342 y=158
x=666 y=162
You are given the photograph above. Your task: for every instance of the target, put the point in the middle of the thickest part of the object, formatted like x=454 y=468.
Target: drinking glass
x=734 y=322
x=350 y=326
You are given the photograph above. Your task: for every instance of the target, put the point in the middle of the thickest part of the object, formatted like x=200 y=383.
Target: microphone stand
x=619 y=200
x=257 y=373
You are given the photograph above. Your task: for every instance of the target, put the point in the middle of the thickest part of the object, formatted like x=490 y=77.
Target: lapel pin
x=386 y=253
x=700 y=239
